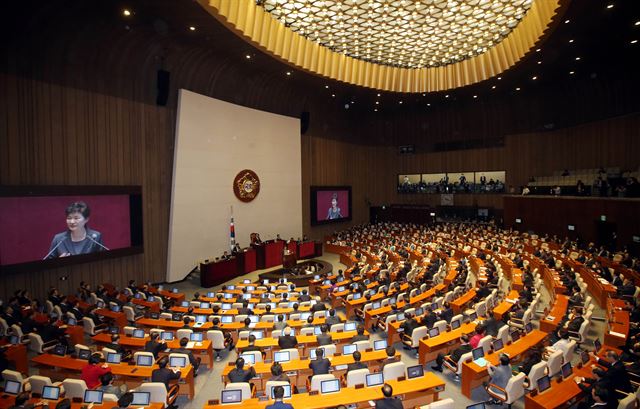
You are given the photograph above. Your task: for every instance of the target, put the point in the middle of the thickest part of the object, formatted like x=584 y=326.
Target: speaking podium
x=214 y=273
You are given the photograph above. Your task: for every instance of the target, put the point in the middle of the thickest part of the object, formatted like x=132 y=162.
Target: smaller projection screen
x=330 y=204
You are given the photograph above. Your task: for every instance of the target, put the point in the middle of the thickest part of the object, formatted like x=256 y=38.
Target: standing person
x=78 y=238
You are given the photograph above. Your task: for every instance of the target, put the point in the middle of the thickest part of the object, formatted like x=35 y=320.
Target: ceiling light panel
x=402 y=33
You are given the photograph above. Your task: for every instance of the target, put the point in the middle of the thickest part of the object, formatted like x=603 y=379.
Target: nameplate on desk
x=313 y=393
x=550 y=318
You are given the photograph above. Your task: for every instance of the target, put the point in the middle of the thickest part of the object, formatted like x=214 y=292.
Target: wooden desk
x=459 y=303
x=6 y=401
x=202 y=349
x=558 y=311
x=177 y=297
x=414 y=392
x=17 y=354
x=560 y=395
x=516 y=279
x=473 y=375
x=59 y=368
x=75 y=333
x=119 y=318
x=618 y=322
x=505 y=306
x=171 y=325
x=446 y=342
x=153 y=306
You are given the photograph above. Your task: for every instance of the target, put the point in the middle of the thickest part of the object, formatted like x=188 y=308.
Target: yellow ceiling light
x=394 y=45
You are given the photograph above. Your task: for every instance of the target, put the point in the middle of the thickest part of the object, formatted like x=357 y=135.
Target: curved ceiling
x=393 y=45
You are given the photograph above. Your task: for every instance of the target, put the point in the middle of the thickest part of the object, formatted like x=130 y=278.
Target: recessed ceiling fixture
x=538 y=50
x=288 y=72
x=126 y=12
x=518 y=89
x=567 y=21
x=248 y=56
x=446 y=96
x=402 y=33
x=539 y=62
x=634 y=41
x=571 y=41
x=571 y=72
x=192 y=28
x=499 y=78
x=577 y=58
x=493 y=87
x=377 y=102
x=326 y=86
x=475 y=96
x=637 y=23
x=333 y=95
x=534 y=78
x=609 y=6
x=400 y=102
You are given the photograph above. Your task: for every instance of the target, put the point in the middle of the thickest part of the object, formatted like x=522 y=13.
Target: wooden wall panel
x=65 y=136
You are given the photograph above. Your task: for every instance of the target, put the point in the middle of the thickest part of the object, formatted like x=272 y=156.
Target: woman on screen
x=78 y=238
x=334 y=210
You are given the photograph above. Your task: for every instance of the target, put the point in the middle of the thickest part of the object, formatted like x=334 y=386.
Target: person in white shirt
x=562 y=344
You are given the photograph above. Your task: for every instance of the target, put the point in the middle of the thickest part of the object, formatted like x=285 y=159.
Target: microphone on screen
x=93 y=237
x=53 y=249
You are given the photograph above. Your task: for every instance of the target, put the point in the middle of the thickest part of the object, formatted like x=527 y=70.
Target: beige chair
x=394 y=371
x=316 y=380
x=357 y=377
x=158 y=392
x=511 y=393
x=16 y=376
x=441 y=404
x=74 y=388
x=244 y=387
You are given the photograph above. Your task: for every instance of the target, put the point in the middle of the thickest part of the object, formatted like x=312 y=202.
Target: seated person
x=500 y=374
x=475 y=339
x=447 y=312
x=280 y=322
x=107 y=385
x=320 y=365
x=616 y=374
x=154 y=346
x=277 y=374
x=164 y=374
x=195 y=362
x=388 y=401
x=324 y=338
x=252 y=346
x=360 y=334
x=332 y=318
x=599 y=398
x=408 y=326
x=356 y=362
x=429 y=318
x=286 y=340
x=391 y=356
x=561 y=344
x=455 y=356
x=239 y=374
x=278 y=395
x=92 y=371
x=491 y=324
x=532 y=358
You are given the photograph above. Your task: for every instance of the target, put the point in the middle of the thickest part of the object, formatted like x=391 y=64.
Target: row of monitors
x=285 y=356
x=328 y=386
x=90 y=396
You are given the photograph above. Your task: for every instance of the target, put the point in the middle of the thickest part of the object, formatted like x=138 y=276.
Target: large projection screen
x=214 y=141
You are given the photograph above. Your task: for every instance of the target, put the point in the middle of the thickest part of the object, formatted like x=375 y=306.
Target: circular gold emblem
x=246 y=185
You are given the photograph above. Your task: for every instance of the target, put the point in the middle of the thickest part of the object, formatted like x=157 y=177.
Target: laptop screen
x=231 y=396
x=177 y=361
x=317 y=330
x=154 y=315
x=176 y=317
x=113 y=358
x=115 y=308
x=201 y=318
x=72 y=321
x=515 y=335
x=196 y=337
x=379 y=344
x=138 y=333
x=585 y=357
x=60 y=350
x=226 y=319
x=348 y=349
x=597 y=344
x=114 y=330
x=205 y=305
x=528 y=327
x=400 y=316
x=473 y=316
x=53 y=393
x=14 y=340
x=434 y=332
x=144 y=360
x=84 y=354
x=497 y=344
x=330 y=386
x=312 y=354
x=350 y=326
x=166 y=335
x=455 y=324
x=287 y=391
x=304 y=316
x=544 y=383
x=415 y=371
x=141 y=398
x=226 y=306
x=282 y=356
x=357 y=296
x=375 y=379
x=419 y=311
x=91 y=396
x=174 y=290
x=257 y=334
x=566 y=370
x=477 y=353
x=249 y=358
x=375 y=306
x=12 y=387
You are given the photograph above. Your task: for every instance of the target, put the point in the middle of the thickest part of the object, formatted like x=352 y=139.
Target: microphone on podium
x=53 y=249
x=93 y=237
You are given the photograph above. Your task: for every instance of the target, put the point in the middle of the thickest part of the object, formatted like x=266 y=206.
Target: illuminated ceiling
x=393 y=45
x=402 y=33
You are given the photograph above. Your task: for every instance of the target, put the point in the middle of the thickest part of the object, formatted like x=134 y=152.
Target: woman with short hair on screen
x=78 y=238
x=334 y=210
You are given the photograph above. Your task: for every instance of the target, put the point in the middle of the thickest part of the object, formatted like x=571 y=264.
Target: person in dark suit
x=304 y=296
x=429 y=318
x=277 y=374
x=447 y=312
x=616 y=375
x=627 y=288
x=287 y=340
x=154 y=346
x=195 y=362
x=455 y=355
x=50 y=332
x=245 y=310
x=391 y=356
x=278 y=394
x=78 y=238
x=252 y=346
x=239 y=374
x=324 y=338
x=360 y=334
x=319 y=306
x=320 y=365
x=409 y=325
x=491 y=325
x=388 y=402
x=21 y=402
x=356 y=362
x=164 y=374
x=332 y=318
x=115 y=344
